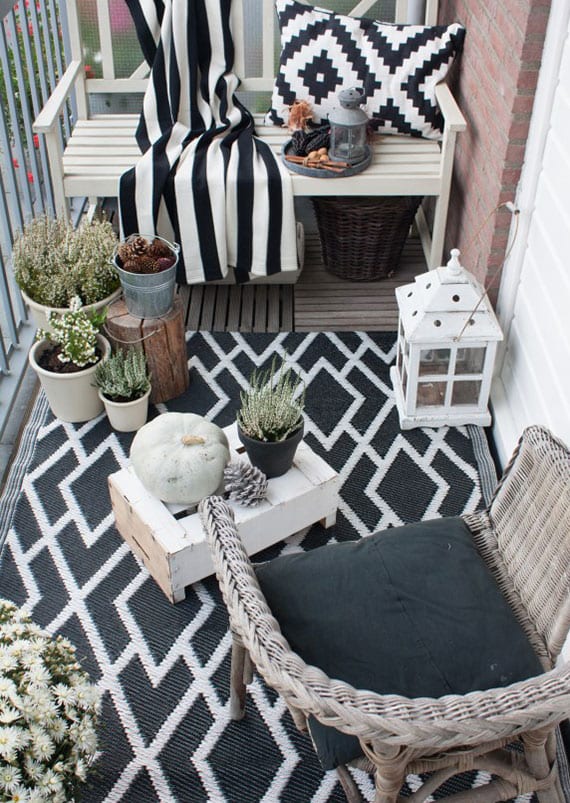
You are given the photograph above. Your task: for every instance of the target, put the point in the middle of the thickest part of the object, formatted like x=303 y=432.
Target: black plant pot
x=275 y=458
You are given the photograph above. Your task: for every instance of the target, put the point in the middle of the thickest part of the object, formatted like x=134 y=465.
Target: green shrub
x=53 y=262
x=124 y=376
x=269 y=410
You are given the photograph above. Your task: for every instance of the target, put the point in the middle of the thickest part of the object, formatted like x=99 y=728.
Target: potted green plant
x=54 y=262
x=65 y=358
x=270 y=420
x=49 y=712
x=124 y=387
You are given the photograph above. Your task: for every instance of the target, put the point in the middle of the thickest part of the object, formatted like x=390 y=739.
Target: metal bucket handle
x=174 y=247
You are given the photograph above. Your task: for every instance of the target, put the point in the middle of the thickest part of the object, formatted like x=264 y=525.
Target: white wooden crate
x=170 y=541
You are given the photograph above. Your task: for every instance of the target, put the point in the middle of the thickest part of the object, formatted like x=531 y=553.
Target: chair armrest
x=48 y=116
x=451 y=112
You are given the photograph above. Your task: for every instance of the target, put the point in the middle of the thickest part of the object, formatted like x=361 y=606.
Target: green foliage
x=269 y=410
x=76 y=333
x=53 y=262
x=124 y=376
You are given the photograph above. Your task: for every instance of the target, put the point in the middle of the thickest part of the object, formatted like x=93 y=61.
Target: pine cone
x=158 y=249
x=244 y=483
x=131 y=265
x=131 y=249
x=147 y=264
x=140 y=264
x=139 y=245
x=163 y=263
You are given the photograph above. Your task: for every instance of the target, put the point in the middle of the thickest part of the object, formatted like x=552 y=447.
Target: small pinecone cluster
x=138 y=255
x=244 y=483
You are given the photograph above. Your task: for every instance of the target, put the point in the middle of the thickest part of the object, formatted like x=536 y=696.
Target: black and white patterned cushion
x=397 y=66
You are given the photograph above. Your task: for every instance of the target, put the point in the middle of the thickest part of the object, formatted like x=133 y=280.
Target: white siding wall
x=533 y=381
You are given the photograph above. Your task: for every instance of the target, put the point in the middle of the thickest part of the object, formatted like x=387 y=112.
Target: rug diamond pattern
x=163 y=669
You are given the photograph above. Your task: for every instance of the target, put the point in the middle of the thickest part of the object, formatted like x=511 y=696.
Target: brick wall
x=495 y=88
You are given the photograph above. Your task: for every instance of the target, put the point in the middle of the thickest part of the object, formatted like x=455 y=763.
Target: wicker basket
x=362 y=238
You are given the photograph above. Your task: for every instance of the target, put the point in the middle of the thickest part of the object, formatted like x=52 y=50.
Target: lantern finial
x=454 y=267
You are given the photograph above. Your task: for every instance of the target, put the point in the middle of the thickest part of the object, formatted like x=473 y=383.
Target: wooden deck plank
x=221 y=308
x=273 y=307
x=260 y=306
x=195 y=308
x=246 y=318
x=234 y=308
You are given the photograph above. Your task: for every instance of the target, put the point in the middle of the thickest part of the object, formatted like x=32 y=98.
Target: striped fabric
x=204 y=179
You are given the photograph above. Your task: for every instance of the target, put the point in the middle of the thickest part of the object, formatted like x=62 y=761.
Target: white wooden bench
x=89 y=161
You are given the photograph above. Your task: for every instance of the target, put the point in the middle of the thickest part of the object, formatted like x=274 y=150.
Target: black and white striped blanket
x=204 y=179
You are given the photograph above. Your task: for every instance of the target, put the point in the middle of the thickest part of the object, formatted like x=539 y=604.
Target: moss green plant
x=124 y=376
x=272 y=407
x=54 y=262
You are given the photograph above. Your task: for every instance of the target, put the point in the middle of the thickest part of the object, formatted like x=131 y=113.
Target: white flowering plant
x=48 y=713
x=75 y=332
x=53 y=261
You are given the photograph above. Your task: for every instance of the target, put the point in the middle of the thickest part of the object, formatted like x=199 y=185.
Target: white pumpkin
x=180 y=457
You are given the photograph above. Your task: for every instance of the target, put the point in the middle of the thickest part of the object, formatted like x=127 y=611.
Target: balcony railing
x=33 y=48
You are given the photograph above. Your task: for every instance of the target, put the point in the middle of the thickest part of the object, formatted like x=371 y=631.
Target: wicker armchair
x=524 y=538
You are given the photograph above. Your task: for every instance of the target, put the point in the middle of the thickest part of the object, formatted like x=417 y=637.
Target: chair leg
x=537 y=746
x=390 y=773
x=237 y=678
x=350 y=788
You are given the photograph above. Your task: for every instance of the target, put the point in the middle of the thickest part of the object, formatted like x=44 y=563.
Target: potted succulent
x=65 y=359
x=146 y=266
x=54 y=262
x=270 y=420
x=49 y=712
x=124 y=387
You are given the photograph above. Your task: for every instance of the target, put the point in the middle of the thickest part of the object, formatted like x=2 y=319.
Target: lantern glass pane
x=404 y=381
x=470 y=361
x=348 y=143
x=434 y=361
x=431 y=394
x=466 y=392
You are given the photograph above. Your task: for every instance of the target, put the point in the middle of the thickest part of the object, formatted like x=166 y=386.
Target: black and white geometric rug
x=164 y=669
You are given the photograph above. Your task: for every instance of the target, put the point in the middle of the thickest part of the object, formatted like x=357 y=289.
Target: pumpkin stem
x=192 y=440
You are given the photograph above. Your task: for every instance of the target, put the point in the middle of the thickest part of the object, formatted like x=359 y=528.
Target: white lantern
x=447 y=339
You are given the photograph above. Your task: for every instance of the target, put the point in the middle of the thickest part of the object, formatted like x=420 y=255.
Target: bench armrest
x=451 y=112
x=48 y=116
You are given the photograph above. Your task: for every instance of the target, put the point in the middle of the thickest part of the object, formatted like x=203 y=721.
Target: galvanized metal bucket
x=148 y=295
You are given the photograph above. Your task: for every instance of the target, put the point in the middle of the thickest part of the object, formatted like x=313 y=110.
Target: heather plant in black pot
x=270 y=419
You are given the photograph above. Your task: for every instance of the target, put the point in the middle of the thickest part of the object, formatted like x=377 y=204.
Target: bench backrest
x=102 y=35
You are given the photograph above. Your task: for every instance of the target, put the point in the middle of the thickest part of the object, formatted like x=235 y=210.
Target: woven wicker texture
x=401 y=735
x=362 y=238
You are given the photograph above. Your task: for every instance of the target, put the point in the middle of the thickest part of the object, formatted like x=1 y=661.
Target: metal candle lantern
x=447 y=339
x=348 y=128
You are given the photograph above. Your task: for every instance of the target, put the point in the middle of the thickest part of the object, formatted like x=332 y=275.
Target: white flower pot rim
x=112 y=403
x=94 y=304
x=104 y=345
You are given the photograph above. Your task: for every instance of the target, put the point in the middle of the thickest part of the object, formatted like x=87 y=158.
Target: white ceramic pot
x=72 y=397
x=126 y=416
x=39 y=312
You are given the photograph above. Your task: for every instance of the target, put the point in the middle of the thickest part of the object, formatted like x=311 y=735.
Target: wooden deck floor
x=319 y=301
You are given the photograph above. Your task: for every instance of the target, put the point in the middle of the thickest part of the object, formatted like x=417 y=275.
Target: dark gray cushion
x=411 y=611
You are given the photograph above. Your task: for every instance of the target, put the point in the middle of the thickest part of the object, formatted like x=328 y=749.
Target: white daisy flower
x=10 y=778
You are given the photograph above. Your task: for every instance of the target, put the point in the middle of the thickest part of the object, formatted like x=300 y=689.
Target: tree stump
x=163 y=343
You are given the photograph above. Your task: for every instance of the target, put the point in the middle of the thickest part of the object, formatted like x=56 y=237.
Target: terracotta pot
x=71 y=397
x=273 y=458
x=126 y=416
x=39 y=312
